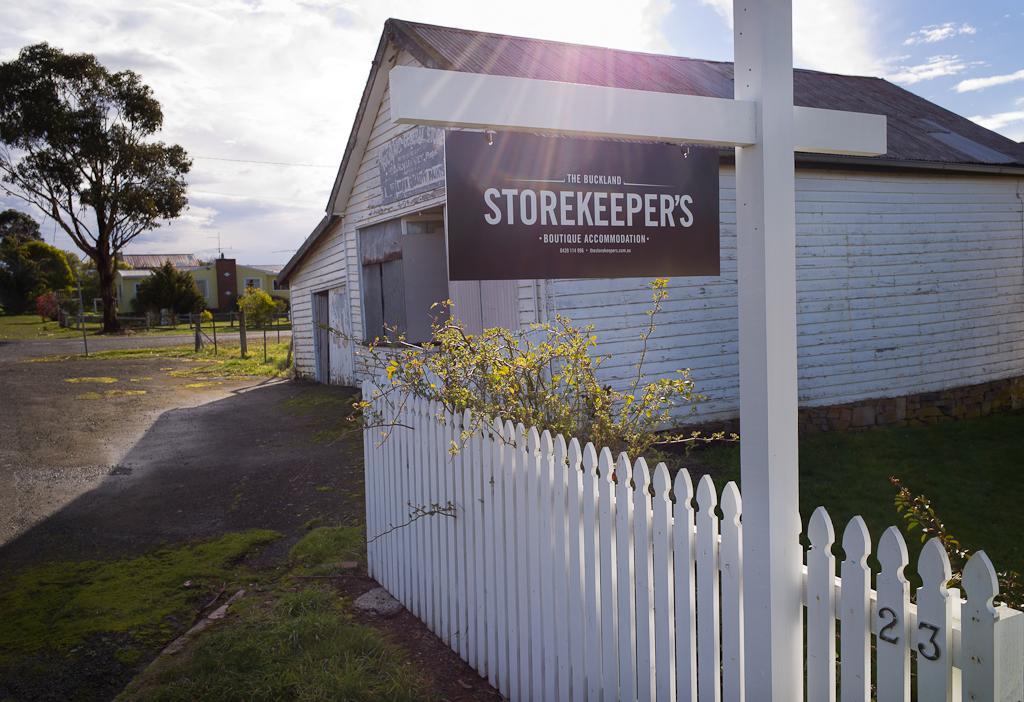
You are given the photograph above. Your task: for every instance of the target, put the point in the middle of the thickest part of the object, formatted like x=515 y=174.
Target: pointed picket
x=684 y=555
x=624 y=579
x=608 y=611
x=414 y=470
x=369 y=489
x=544 y=604
x=560 y=570
x=501 y=572
x=978 y=621
x=892 y=643
x=576 y=595
x=934 y=635
x=643 y=568
x=390 y=496
x=855 y=642
x=709 y=684
x=426 y=466
x=512 y=533
x=480 y=477
x=533 y=527
x=490 y=551
x=821 y=609
x=664 y=599
x=731 y=567
x=524 y=603
x=403 y=473
x=463 y=550
x=451 y=557
x=438 y=523
x=592 y=574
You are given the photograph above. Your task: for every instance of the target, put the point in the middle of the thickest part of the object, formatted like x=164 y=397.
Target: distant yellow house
x=219 y=281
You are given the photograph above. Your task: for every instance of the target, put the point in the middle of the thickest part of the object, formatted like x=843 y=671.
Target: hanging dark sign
x=524 y=206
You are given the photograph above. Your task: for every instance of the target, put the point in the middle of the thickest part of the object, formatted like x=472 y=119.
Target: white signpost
x=766 y=128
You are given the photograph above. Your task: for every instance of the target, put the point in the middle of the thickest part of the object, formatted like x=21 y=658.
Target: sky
x=262 y=93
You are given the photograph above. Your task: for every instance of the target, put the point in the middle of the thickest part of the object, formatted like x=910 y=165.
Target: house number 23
x=929 y=649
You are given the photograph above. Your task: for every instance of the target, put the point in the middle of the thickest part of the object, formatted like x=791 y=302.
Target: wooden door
x=321 y=336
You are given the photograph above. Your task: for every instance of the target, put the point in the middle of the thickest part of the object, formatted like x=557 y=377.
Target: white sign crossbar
x=477 y=101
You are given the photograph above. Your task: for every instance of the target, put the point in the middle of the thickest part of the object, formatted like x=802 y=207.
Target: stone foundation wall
x=915 y=410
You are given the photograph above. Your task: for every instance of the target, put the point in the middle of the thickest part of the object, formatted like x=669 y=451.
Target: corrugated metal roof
x=157 y=260
x=265 y=267
x=911 y=139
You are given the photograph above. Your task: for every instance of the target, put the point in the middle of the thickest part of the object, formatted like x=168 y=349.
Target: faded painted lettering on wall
x=411 y=164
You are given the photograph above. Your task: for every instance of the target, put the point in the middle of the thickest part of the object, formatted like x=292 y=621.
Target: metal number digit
x=935 y=652
x=883 y=633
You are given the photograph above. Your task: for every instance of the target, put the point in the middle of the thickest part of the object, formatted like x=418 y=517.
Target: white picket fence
x=555 y=571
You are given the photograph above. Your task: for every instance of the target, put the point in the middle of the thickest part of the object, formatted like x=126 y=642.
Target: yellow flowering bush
x=544 y=375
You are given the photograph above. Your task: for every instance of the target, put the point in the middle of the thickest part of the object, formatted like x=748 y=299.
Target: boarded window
x=403 y=275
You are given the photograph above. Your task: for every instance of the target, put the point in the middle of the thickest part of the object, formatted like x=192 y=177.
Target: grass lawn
x=227 y=362
x=971 y=470
x=29 y=327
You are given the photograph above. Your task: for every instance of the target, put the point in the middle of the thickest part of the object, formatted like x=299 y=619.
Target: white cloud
x=831 y=36
x=970 y=84
x=934 y=67
x=1000 y=119
x=932 y=33
x=278 y=80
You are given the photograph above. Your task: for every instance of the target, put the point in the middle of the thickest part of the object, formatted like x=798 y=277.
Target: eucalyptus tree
x=77 y=142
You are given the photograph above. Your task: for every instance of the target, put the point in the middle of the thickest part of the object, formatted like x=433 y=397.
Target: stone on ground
x=378 y=601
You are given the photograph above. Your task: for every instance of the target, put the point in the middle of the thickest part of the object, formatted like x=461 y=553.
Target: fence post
x=241 y=335
x=213 y=325
x=198 y=333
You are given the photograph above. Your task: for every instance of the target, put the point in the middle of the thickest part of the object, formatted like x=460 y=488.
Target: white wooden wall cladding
x=564 y=573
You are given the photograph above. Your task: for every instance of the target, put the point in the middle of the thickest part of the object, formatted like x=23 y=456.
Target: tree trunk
x=105 y=269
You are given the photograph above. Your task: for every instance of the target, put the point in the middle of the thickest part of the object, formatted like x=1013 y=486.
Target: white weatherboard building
x=910 y=266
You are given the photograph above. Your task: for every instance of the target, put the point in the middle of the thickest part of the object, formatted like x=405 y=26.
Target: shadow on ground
x=271 y=456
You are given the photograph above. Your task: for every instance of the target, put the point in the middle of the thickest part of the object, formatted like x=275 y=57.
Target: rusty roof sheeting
x=157 y=260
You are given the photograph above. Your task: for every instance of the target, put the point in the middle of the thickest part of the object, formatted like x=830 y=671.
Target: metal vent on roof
x=964 y=145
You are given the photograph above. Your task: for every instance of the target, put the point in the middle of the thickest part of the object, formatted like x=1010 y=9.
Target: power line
x=264 y=163
x=258 y=198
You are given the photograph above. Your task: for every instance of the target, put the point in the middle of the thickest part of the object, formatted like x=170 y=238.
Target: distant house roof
x=921 y=134
x=131 y=273
x=157 y=260
x=271 y=268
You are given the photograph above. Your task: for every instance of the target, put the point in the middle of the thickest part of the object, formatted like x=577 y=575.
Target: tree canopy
x=15 y=224
x=169 y=289
x=76 y=142
x=29 y=268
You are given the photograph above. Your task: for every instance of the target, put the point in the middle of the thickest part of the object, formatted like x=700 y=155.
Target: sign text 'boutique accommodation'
x=909 y=266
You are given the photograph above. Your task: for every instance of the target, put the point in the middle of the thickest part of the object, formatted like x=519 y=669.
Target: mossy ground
x=323 y=548
x=58 y=605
